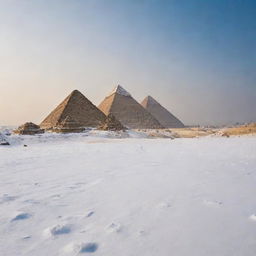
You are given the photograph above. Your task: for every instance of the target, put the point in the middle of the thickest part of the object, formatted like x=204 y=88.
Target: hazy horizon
x=197 y=58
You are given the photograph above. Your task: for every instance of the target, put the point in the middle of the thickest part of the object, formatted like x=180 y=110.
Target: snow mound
x=253 y=217
x=3 y=140
x=114 y=227
x=57 y=230
x=7 y=130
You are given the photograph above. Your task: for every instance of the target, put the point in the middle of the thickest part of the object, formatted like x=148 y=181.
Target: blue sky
x=196 y=57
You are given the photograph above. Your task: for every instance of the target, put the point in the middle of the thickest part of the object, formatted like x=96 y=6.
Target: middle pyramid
x=128 y=111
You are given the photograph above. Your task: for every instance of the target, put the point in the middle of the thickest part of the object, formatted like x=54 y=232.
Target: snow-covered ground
x=92 y=195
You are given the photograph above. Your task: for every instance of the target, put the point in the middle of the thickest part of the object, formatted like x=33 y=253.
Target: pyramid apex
x=120 y=90
x=75 y=92
x=151 y=100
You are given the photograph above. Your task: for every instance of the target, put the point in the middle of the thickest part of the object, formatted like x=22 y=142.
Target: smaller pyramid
x=68 y=125
x=111 y=124
x=127 y=110
x=164 y=117
x=28 y=128
x=77 y=107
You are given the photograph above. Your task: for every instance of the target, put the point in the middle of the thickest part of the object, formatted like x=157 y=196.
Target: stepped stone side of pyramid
x=28 y=128
x=68 y=125
x=77 y=107
x=165 y=118
x=111 y=124
x=128 y=111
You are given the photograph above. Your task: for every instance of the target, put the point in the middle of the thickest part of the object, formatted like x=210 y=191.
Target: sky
x=196 y=57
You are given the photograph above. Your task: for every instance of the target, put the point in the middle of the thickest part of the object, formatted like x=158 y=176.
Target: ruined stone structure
x=29 y=128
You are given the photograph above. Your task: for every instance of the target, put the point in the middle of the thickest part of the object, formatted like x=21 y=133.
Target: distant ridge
x=165 y=118
x=127 y=110
x=76 y=107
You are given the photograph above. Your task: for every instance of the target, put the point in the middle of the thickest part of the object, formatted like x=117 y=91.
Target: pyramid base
x=28 y=132
x=67 y=130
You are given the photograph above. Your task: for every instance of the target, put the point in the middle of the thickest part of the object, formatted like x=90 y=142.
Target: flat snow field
x=129 y=197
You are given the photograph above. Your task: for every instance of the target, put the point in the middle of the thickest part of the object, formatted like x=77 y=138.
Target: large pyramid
x=165 y=118
x=77 y=107
x=127 y=110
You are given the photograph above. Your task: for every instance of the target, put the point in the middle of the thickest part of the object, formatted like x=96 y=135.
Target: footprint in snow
x=214 y=203
x=88 y=248
x=26 y=237
x=142 y=233
x=77 y=185
x=21 y=216
x=79 y=248
x=31 y=201
x=164 y=205
x=60 y=229
x=55 y=197
x=114 y=227
x=73 y=187
x=89 y=214
x=7 y=198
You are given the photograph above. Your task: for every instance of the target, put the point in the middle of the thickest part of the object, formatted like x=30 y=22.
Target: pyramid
x=28 y=128
x=164 y=117
x=127 y=110
x=78 y=108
